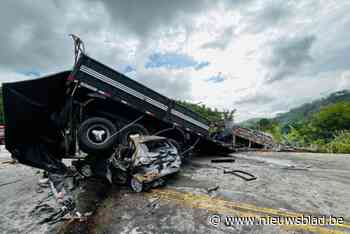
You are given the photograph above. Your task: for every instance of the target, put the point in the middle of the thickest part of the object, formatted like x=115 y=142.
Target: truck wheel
x=136 y=185
x=94 y=134
x=177 y=145
x=135 y=129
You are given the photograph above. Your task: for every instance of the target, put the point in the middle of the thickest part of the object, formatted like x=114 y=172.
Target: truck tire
x=94 y=134
x=177 y=145
x=132 y=130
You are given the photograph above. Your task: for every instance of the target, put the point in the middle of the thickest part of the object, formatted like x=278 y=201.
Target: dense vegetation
x=323 y=125
x=213 y=115
x=308 y=109
x=207 y=112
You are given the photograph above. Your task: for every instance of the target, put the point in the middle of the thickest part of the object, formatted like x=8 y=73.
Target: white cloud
x=301 y=46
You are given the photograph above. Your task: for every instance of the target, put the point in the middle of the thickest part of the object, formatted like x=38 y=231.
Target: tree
x=332 y=118
x=264 y=124
x=210 y=114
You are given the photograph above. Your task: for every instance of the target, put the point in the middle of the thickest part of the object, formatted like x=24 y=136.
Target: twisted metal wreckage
x=119 y=127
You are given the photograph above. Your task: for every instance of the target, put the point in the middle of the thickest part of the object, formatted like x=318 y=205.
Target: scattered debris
x=212 y=189
x=246 y=139
x=38 y=189
x=12 y=161
x=12 y=182
x=239 y=174
x=252 y=138
x=223 y=160
x=154 y=204
x=293 y=167
x=44 y=183
x=40 y=209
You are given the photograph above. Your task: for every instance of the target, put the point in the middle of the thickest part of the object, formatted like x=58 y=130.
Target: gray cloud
x=34 y=34
x=143 y=17
x=288 y=56
x=267 y=16
x=255 y=99
x=222 y=41
x=28 y=34
x=176 y=85
x=34 y=38
x=331 y=52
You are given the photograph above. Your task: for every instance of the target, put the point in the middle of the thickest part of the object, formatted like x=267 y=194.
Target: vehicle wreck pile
x=253 y=138
x=109 y=125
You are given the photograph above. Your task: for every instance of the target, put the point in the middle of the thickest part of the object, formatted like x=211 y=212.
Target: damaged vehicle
x=147 y=161
x=94 y=110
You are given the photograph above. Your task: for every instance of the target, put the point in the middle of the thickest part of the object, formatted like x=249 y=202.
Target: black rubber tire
x=85 y=137
x=177 y=145
x=133 y=129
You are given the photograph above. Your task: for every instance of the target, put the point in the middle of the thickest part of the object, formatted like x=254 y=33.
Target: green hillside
x=307 y=110
x=250 y=123
x=323 y=125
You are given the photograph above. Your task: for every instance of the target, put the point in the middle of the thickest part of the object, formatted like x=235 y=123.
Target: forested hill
x=304 y=111
x=307 y=110
x=322 y=125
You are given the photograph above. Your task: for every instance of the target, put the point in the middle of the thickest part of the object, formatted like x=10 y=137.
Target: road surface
x=287 y=185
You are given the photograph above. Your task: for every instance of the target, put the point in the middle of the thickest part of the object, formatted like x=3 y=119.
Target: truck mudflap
x=31 y=134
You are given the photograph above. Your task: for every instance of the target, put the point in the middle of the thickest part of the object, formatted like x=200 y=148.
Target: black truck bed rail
x=98 y=77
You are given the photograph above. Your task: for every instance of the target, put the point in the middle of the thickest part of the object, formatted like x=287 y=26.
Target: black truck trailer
x=93 y=109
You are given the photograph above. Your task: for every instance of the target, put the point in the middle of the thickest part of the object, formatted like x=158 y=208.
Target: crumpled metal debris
x=223 y=160
x=241 y=174
x=145 y=162
x=212 y=189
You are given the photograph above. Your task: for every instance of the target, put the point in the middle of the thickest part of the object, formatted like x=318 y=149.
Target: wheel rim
x=136 y=185
x=98 y=134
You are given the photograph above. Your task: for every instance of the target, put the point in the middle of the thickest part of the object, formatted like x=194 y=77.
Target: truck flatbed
x=100 y=78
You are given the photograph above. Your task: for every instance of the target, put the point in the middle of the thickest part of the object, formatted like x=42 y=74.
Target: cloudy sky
x=261 y=57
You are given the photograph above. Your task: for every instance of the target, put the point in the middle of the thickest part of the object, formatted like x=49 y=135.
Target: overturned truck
x=93 y=109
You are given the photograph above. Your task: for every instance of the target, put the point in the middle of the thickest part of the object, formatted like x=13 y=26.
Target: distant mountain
x=304 y=111
x=307 y=110
x=250 y=123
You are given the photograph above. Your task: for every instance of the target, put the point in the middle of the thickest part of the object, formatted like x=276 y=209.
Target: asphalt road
x=19 y=195
x=287 y=185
